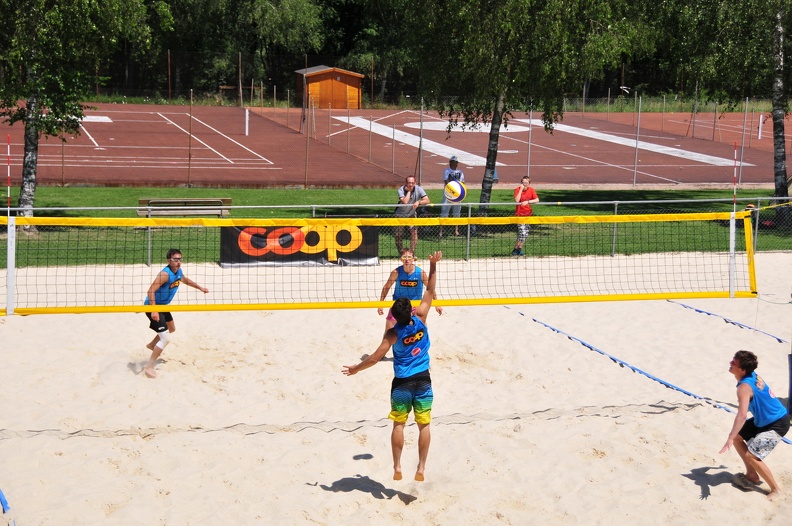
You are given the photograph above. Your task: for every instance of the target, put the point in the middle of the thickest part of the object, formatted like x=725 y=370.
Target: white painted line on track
x=197 y=139
x=97 y=118
x=589 y=162
x=233 y=141
x=470 y=159
x=642 y=145
x=89 y=135
x=410 y=139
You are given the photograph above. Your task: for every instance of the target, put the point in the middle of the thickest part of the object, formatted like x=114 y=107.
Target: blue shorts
x=412 y=393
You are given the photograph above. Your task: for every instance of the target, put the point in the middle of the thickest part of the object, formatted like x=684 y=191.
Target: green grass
x=304 y=200
x=64 y=246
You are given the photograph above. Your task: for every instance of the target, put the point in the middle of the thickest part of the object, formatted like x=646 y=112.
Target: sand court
x=251 y=421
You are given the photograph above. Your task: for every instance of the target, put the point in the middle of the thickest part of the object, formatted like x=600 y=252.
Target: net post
x=732 y=255
x=10 y=265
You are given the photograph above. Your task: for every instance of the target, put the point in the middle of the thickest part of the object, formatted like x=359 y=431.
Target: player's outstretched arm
x=425 y=280
x=387 y=341
x=190 y=283
x=429 y=293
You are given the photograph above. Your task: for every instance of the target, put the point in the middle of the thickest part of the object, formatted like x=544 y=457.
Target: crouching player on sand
x=754 y=438
x=411 y=388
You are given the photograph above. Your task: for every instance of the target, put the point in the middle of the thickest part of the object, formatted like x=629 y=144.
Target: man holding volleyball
x=411 y=388
x=451 y=174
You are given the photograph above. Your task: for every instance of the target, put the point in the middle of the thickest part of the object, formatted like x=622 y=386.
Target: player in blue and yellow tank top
x=411 y=388
x=161 y=292
x=410 y=280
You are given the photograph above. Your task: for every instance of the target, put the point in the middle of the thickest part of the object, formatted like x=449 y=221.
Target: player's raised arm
x=429 y=293
x=387 y=341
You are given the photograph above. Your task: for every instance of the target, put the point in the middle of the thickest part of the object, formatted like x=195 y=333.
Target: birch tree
x=482 y=60
x=50 y=55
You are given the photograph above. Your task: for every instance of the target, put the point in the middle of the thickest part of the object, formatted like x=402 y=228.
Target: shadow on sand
x=705 y=480
x=366 y=485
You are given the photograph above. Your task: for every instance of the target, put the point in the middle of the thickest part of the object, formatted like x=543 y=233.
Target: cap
x=453 y=159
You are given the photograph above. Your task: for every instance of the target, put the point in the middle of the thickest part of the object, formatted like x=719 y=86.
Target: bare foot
x=773 y=494
x=419 y=477
x=397 y=475
x=149 y=371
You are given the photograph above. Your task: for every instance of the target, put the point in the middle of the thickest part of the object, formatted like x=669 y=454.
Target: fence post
x=613 y=242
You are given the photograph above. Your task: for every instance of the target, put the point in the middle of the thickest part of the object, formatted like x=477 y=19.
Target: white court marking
x=470 y=159
x=97 y=118
x=410 y=139
x=233 y=141
x=87 y=134
x=197 y=139
x=106 y=119
x=443 y=126
x=642 y=145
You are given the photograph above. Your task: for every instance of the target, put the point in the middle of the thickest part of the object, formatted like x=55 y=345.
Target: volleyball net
x=79 y=265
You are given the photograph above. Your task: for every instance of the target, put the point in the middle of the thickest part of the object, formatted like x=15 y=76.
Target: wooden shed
x=331 y=87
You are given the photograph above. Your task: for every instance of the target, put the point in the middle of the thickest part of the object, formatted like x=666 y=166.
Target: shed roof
x=316 y=70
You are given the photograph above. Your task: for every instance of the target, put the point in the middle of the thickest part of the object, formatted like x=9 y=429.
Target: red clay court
x=150 y=145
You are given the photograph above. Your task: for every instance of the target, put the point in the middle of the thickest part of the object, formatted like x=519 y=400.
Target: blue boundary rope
x=622 y=363
x=4 y=502
x=727 y=320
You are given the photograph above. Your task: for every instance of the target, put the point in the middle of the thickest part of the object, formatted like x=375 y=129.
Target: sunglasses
x=408 y=258
x=176 y=259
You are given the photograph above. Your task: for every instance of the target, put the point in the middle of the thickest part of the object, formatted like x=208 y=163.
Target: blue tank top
x=167 y=291
x=409 y=286
x=411 y=350
x=764 y=406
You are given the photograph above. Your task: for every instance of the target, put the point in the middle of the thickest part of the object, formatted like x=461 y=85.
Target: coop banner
x=290 y=245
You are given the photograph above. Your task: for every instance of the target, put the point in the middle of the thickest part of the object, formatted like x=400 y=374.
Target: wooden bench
x=186 y=206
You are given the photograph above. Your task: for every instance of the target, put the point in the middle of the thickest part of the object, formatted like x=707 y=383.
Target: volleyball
x=455 y=191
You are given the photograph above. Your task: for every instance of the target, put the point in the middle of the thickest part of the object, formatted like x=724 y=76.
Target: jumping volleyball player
x=161 y=292
x=411 y=387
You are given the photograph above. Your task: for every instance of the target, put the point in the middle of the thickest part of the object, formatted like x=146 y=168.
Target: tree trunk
x=382 y=87
x=27 y=192
x=492 y=154
x=779 y=149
